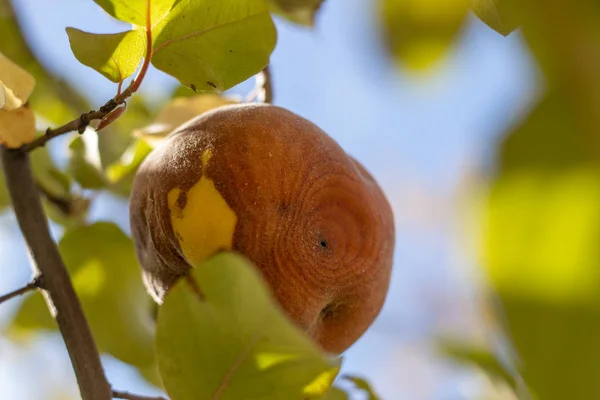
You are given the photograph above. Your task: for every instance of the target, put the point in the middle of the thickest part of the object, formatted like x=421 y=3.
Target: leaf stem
x=140 y=76
x=129 y=396
x=31 y=286
x=46 y=261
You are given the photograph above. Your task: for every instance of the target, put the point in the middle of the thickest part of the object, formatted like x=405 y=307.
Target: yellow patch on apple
x=206 y=223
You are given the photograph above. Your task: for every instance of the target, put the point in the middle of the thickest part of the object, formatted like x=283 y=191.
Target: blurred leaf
x=16 y=84
x=53 y=98
x=135 y=11
x=335 y=393
x=419 y=33
x=565 y=40
x=70 y=212
x=480 y=357
x=104 y=269
x=47 y=174
x=17 y=127
x=82 y=168
x=496 y=14
x=299 y=11
x=221 y=334
x=122 y=173
x=541 y=232
x=234 y=37
x=114 y=140
x=178 y=111
x=362 y=384
x=115 y=55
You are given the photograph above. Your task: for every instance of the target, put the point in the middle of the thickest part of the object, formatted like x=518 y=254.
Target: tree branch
x=31 y=286
x=128 y=396
x=60 y=295
x=81 y=123
x=267 y=85
x=263 y=92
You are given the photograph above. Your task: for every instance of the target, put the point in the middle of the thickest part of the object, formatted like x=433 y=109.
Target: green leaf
x=363 y=385
x=482 y=358
x=121 y=173
x=221 y=334
x=419 y=33
x=335 y=393
x=496 y=14
x=102 y=264
x=299 y=11
x=114 y=55
x=135 y=11
x=47 y=175
x=214 y=45
x=541 y=233
x=82 y=169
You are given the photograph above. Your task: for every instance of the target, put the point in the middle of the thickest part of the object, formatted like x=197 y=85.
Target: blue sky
x=420 y=137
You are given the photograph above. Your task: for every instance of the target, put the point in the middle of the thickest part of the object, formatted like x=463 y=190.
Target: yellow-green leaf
x=299 y=11
x=80 y=166
x=497 y=14
x=16 y=84
x=115 y=55
x=135 y=11
x=419 y=33
x=220 y=334
x=212 y=45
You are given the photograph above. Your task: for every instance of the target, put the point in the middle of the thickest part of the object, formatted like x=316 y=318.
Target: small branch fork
x=129 y=396
x=31 y=286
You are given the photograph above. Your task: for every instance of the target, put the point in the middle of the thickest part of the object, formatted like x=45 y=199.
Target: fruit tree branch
x=129 y=396
x=46 y=261
x=81 y=123
x=31 y=286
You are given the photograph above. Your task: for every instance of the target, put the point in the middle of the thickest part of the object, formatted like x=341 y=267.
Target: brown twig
x=267 y=85
x=31 y=286
x=263 y=92
x=46 y=261
x=128 y=396
x=81 y=123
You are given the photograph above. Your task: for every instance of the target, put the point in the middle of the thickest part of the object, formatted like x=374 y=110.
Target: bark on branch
x=47 y=262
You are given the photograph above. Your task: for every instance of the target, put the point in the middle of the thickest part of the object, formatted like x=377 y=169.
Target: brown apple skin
x=311 y=218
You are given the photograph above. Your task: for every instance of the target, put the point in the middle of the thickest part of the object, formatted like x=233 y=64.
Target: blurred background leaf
x=420 y=33
x=105 y=273
x=541 y=252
